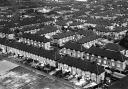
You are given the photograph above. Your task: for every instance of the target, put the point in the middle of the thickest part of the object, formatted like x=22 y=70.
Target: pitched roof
x=63 y=35
x=75 y=23
x=86 y=33
x=87 y=39
x=74 y=46
x=62 y=22
x=34 y=50
x=85 y=66
x=35 y=37
x=117 y=56
x=46 y=29
x=101 y=28
x=113 y=47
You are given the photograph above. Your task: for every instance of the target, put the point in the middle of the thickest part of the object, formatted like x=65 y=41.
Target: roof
x=75 y=23
x=117 y=56
x=120 y=84
x=74 y=46
x=87 y=39
x=33 y=50
x=113 y=47
x=63 y=35
x=2 y=41
x=62 y=22
x=35 y=37
x=85 y=66
x=101 y=28
x=86 y=32
x=46 y=29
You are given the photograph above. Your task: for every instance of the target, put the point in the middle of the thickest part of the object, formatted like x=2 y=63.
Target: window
x=73 y=70
x=39 y=44
x=35 y=43
x=113 y=63
x=59 y=66
x=118 y=64
x=79 y=72
x=78 y=54
x=64 y=50
x=92 y=57
x=61 y=51
x=68 y=51
x=87 y=56
x=65 y=67
x=42 y=44
x=31 y=41
x=74 y=53
x=81 y=55
x=47 y=45
x=87 y=75
x=105 y=62
x=99 y=60
x=93 y=77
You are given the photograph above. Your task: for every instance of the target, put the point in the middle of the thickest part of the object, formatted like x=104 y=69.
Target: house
x=87 y=42
x=86 y=33
x=62 y=38
x=48 y=31
x=110 y=31
x=45 y=57
x=35 y=40
x=73 y=49
x=107 y=58
x=86 y=70
x=113 y=47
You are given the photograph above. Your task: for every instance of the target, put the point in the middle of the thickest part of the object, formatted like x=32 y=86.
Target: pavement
x=6 y=66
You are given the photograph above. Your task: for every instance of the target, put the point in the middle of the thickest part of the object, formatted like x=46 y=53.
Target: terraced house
x=62 y=38
x=18 y=49
x=107 y=58
x=73 y=49
x=89 y=41
x=48 y=31
x=79 y=68
x=35 y=40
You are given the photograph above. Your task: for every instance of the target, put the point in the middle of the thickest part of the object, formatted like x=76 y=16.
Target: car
x=82 y=82
x=54 y=71
x=48 y=68
x=57 y=73
x=68 y=77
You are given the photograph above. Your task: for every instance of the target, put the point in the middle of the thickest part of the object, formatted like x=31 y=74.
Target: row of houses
x=64 y=37
x=90 y=72
x=108 y=57
x=73 y=49
x=86 y=70
x=21 y=49
x=35 y=40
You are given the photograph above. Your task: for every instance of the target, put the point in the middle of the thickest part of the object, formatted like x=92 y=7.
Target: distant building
x=89 y=41
x=62 y=38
